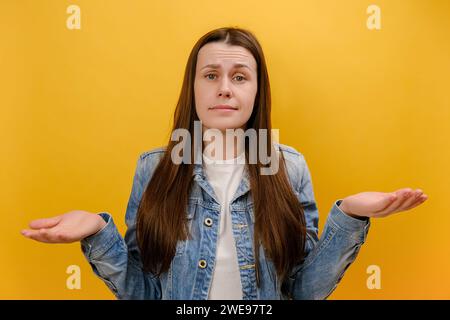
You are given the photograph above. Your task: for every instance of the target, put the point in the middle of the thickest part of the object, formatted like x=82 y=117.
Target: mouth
x=223 y=107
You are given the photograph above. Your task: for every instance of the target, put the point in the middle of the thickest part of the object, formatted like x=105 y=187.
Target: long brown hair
x=279 y=217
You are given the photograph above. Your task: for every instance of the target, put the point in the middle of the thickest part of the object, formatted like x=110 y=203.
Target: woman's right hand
x=70 y=227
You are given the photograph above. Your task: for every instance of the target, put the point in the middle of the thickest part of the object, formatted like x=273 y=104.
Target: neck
x=218 y=147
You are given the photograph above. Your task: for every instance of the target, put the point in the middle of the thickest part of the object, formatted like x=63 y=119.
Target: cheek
x=197 y=93
x=202 y=101
x=248 y=100
x=199 y=100
x=202 y=96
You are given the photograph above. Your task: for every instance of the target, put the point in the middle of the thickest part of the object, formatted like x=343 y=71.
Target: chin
x=223 y=125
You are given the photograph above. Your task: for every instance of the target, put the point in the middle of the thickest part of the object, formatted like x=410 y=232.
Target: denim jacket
x=116 y=260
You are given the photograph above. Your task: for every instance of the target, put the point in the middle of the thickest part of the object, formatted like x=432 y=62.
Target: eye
x=208 y=76
x=211 y=76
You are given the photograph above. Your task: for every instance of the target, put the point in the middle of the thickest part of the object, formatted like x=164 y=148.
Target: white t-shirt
x=225 y=176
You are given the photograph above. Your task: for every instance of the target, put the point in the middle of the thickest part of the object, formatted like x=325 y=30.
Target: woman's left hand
x=381 y=204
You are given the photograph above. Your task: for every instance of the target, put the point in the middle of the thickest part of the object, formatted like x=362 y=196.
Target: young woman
x=219 y=228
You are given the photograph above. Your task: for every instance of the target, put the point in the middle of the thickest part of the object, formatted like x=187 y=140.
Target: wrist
x=344 y=208
x=101 y=223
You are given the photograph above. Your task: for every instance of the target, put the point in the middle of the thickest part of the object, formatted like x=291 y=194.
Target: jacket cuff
x=357 y=228
x=98 y=243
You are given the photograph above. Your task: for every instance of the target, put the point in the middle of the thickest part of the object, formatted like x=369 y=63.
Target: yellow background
x=369 y=109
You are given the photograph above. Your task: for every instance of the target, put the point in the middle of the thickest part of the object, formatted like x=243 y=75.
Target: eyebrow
x=217 y=66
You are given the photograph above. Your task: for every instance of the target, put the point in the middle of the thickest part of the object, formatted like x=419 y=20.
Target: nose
x=224 y=89
x=226 y=94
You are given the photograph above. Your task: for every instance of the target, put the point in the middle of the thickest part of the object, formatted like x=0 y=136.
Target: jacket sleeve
x=327 y=258
x=116 y=260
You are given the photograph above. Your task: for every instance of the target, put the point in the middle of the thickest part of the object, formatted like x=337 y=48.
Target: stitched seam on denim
x=108 y=243
x=341 y=274
x=319 y=250
x=147 y=153
x=285 y=149
x=351 y=234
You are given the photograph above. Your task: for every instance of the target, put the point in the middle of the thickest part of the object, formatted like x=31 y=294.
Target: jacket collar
x=200 y=177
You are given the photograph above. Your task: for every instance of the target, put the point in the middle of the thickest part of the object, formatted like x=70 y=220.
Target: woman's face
x=225 y=75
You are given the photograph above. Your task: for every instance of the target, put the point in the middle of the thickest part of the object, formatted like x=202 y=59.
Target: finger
x=402 y=191
x=40 y=235
x=416 y=203
x=411 y=200
x=406 y=197
x=388 y=200
x=45 y=223
x=402 y=196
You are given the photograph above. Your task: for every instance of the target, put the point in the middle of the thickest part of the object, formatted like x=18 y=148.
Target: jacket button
x=208 y=222
x=202 y=264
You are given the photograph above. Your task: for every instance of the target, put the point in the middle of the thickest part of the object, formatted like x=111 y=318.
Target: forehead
x=224 y=54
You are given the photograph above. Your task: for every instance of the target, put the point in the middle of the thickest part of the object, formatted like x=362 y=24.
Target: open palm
x=381 y=204
x=69 y=227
